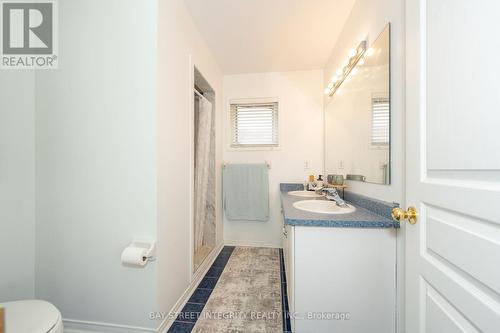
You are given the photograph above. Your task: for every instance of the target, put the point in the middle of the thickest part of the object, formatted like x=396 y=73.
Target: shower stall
x=204 y=205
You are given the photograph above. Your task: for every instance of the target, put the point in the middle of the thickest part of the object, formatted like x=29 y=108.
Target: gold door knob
x=400 y=214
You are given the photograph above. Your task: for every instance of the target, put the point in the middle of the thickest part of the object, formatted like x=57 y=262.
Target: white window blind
x=254 y=125
x=380 y=121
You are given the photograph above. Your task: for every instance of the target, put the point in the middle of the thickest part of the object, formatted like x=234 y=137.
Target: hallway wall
x=181 y=47
x=112 y=135
x=17 y=184
x=96 y=172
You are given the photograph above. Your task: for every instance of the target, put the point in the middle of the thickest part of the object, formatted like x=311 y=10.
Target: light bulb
x=354 y=71
x=335 y=79
x=327 y=91
x=370 y=51
x=339 y=71
x=330 y=85
x=352 y=53
x=361 y=61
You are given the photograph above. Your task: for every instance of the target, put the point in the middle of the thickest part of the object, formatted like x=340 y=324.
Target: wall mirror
x=357 y=119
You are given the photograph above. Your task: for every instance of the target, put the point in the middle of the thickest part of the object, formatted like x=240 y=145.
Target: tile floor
x=287 y=328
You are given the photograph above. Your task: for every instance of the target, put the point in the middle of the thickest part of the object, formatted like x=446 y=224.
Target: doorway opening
x=204 y=205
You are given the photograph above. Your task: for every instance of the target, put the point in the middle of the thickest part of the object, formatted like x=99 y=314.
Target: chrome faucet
x=332 y=194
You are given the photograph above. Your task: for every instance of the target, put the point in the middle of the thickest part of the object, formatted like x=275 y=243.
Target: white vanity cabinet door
x=346 y=271
x=286 y=246
x=289 y=255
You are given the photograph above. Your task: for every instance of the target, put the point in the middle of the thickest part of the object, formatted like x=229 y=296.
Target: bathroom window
x=380 y=121
x=254 y=125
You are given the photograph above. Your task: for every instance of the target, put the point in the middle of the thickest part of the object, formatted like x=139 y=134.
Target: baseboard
x=197 y=277
x=249 y=243
x=80 y=326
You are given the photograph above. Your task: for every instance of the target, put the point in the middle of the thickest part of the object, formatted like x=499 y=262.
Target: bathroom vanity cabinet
x=340 y=279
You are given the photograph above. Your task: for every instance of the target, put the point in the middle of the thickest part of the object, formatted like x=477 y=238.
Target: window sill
x=372 y=147
x=256 y=148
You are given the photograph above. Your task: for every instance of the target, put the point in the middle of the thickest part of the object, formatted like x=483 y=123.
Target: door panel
x=442 y=317
x=453 y=166
x=476 y=305
x=466 y=243
x=459 y=38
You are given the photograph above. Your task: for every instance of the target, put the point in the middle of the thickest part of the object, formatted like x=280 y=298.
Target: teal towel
x=246 y=192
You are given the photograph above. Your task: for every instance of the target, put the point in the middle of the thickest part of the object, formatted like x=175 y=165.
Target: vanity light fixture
x=355 y=56
x=370 y=51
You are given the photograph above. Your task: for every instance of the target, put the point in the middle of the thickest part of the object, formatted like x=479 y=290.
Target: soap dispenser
x=319 y=182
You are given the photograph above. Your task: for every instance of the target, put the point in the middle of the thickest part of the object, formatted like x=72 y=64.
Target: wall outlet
x=341 y=165
x=306 y=165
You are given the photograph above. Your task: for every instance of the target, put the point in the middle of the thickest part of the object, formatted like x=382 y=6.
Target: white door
x=453 y=166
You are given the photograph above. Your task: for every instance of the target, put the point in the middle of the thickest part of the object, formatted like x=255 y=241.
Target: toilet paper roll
x=134 y=256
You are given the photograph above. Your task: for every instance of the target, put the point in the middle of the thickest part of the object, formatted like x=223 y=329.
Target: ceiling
x=252 y=36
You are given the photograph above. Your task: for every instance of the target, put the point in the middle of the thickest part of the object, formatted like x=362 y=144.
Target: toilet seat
x=32 y=316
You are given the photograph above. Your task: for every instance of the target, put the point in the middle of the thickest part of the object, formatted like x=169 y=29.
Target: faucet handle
x=330 y=190
x=319 y=190
x=332 y=194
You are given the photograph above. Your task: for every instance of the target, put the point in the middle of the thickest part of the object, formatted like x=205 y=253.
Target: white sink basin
x=306 y=194
x=323 y=207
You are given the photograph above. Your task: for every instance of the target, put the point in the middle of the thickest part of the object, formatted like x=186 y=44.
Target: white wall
x=301 y=139
x=366 y=21
x=96 y=155
x=17 y=184
x=179 y=41
x=113 y=132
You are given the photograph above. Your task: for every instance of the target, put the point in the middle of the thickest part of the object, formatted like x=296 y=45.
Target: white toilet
x=32 y=316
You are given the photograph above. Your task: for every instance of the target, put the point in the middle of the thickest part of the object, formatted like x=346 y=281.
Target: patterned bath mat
x=247 y=297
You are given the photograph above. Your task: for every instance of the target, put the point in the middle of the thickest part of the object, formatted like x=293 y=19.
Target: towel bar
x=266 y=162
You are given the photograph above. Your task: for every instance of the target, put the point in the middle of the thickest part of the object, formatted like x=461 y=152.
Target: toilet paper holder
x=148 y=245
x=145 y=244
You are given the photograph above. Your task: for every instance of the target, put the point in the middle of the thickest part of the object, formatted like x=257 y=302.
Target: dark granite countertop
x=370 y=213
